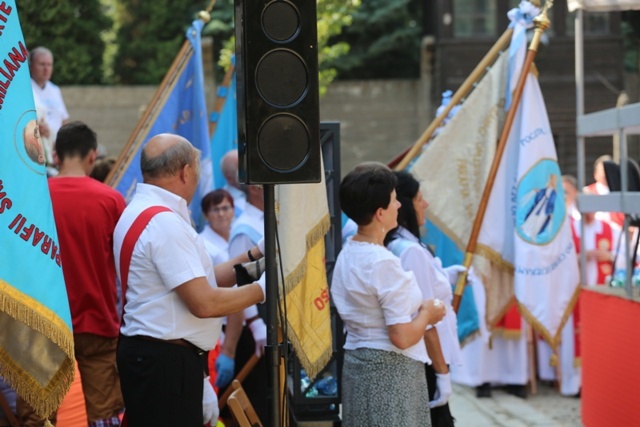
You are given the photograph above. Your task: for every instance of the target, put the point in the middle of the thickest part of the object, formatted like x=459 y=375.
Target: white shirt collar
x=169 y=199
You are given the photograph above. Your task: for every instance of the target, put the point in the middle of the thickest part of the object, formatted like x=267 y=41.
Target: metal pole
x=624 y=185
x=579 y=56
x=271 y=349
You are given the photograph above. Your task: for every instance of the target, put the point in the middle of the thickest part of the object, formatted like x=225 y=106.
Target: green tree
x=149 y=36
x=72 y=31
x=333 y=16
x=384 y=37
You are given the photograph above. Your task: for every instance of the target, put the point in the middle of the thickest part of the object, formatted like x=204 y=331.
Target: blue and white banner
x=36 y=344
x=179 y=108
x=526 y=224
x=545 y=263
x=225 y=136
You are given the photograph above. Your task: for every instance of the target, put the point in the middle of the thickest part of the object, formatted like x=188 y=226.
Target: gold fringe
x=300 y=271
x=312 y=367
x=293 y=279
x=577 y=362
x=491 y=323
x=494 y=257
x=506 y=334
x=553 y=360
x=539 y=327
x=43 y=320
x=47 y=423
x=37 y=316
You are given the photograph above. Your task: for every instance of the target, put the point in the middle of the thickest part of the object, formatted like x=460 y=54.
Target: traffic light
x=277 y=91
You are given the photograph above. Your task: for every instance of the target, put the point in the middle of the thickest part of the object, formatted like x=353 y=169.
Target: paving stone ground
x=546 y=408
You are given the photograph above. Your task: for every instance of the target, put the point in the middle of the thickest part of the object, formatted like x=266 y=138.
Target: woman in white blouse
x=384 y=313
x=217 y=207
x=434 y=282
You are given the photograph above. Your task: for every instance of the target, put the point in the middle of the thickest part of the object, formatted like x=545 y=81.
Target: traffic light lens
x=283 y=142
x=282 y=78
x=280 y=21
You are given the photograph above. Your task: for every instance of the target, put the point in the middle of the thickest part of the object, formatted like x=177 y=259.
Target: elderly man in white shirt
x=173 y=299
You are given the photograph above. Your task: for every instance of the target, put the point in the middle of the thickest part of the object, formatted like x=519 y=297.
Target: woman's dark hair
x=213 y=198
x=366 y=189
x=406 y=190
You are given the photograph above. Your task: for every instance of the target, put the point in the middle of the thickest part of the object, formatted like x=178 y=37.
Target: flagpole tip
x=204 y=16
x=542 y=21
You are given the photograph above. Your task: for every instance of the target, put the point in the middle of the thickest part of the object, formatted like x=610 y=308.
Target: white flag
x=526 y=222
x=545 y=263
x=454 y=167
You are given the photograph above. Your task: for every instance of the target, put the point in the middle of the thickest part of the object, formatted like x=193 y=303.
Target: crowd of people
x=150 y=298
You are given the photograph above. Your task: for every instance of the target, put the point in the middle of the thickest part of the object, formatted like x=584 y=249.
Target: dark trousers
x=440 y=416
x=161 y=383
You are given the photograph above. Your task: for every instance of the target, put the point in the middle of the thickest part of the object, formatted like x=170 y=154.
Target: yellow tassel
x=553 y=361
x=47 y=423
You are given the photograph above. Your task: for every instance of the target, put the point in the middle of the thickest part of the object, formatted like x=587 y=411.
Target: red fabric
x=130 y=239
x=577 y=345
x=511 y=321
x=211 y=363
x=86 y=212
x=604 y=240
x=610 y=355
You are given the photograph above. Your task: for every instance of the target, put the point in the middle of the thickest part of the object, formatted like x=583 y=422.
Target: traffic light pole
x=271 y=349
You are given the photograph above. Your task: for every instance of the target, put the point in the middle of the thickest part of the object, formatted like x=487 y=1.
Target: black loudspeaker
x=277 y=91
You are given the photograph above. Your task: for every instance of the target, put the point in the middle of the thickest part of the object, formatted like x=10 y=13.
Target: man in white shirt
x=48 y=98
x=173 y=305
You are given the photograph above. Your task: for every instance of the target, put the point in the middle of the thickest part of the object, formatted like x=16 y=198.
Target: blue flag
x=225 y=137
x=36 y=344
x=180 y=108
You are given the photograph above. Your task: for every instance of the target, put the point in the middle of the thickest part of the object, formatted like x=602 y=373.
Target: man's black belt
x=181 y=342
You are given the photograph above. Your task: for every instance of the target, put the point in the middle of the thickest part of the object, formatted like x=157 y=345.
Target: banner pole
x=462 y=91
x=152 y=110
x=541 y=23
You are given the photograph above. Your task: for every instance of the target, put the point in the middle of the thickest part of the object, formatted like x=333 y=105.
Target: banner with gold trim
x=303 y=220
x=36 y=344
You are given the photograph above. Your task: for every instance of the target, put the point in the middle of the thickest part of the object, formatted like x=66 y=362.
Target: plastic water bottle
x=635 y=280
x=619 y=278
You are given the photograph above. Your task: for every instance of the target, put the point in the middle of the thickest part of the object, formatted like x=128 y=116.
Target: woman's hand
x=435 y=310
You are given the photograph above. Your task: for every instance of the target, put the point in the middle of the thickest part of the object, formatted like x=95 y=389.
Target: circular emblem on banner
x=26 y=139
x=540 y=209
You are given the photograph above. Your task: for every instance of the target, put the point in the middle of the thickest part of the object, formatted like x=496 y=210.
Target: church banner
x=36 y=344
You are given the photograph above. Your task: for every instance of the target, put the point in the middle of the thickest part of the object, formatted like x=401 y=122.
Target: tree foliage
x=72 y=31
x=149 y=37
x=384 y=37
x=333 y=16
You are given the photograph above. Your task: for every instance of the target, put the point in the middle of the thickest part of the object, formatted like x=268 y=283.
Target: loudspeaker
x=277 y=91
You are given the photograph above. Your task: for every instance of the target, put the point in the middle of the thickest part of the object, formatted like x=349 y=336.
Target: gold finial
x=204 y=16
x=541 y=23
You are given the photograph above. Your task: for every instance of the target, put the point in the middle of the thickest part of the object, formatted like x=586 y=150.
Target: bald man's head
x=229 y=166
x=165 y=155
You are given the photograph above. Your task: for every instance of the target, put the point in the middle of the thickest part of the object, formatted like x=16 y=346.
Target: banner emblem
x=540 y=209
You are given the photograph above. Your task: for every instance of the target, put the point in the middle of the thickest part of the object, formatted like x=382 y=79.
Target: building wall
x=378 y=119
